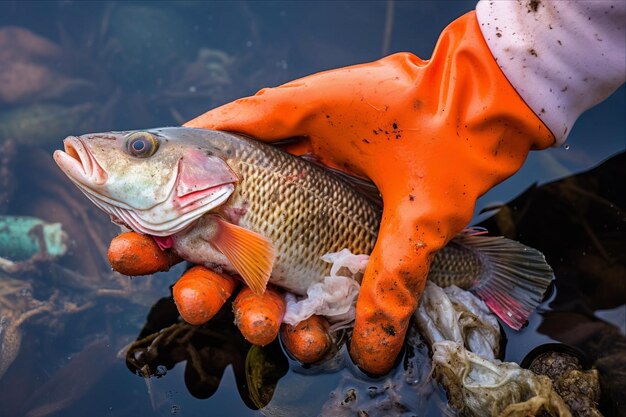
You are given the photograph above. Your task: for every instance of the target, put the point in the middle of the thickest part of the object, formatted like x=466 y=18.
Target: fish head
x=151 y=181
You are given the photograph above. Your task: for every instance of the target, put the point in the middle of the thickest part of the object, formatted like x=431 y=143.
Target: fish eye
x=141 y=144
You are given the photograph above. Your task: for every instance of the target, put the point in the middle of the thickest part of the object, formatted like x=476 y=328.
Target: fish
x=243 y=207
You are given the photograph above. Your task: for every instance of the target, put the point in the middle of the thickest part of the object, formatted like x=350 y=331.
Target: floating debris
x=579 y=388
x=23 y=238
x=465 y=340
x=265 y=366
x=483 y=388
x=407 y=391
x=74 y=60
x=456 y=315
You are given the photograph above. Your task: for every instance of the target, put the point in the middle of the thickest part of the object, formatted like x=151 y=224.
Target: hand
x=432 y=135
x=200 y=294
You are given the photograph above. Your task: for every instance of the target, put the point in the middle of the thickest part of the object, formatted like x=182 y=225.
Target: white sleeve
x=562 y=57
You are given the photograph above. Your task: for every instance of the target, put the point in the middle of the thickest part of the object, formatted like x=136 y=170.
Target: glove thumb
x=271 y=114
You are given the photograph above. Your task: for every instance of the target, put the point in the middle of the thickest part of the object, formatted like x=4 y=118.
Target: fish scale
x=303 y=211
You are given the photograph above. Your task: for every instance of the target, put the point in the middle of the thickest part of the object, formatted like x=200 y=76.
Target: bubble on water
x=175 y=409
x=566 y=147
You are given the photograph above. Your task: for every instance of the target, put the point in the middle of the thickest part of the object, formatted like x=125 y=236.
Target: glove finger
x=309 y=341
x=133 y=254
x=381 y=324
x=392 y=284
x=200 y=294
x=258 y=316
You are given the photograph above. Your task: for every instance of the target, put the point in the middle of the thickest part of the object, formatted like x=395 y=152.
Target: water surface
x=117 y=66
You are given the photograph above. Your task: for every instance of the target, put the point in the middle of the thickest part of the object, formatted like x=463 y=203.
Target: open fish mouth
x=79 y=164
x=85 y=171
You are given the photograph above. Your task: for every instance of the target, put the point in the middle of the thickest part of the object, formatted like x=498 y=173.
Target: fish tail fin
x=515 y=276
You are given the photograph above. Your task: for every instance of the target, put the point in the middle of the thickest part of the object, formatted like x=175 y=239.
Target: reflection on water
x=67 y=324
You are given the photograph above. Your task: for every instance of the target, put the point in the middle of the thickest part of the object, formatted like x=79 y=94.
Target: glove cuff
x=468 y=86
x=562 y=57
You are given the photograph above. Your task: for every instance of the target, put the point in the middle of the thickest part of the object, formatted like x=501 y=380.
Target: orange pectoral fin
x=251 y=254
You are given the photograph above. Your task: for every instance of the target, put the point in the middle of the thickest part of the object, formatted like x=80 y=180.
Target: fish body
x=301 y=209
x=241 y=206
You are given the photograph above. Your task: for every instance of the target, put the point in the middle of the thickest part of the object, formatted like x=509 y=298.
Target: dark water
x=69 y=68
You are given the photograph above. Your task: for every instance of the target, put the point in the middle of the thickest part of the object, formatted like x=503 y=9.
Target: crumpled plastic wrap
x=459 y=316
x=493 y=388
x=335 y=296
x=487 y=388
x=465 y=339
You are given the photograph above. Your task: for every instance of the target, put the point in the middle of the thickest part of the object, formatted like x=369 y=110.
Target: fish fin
x=475 y=231
x=251 y=254
x=515 y=277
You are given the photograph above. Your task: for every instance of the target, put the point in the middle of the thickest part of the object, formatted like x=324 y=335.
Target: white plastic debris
x=458 y=315
x=488 y=388
x=335 y=296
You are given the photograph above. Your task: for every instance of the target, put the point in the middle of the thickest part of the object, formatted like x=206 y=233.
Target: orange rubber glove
x=200 y=293
x=433 y=136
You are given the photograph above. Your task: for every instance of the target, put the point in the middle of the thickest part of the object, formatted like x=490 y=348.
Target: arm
x=562 y=57
x=435 y=135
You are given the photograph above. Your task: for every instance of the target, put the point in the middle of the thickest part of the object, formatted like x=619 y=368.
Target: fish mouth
x=79 y=164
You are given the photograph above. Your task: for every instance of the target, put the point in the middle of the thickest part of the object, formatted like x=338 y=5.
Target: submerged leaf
x=264 y=367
